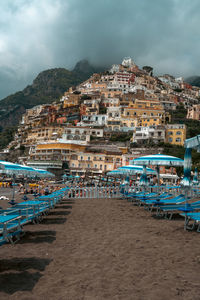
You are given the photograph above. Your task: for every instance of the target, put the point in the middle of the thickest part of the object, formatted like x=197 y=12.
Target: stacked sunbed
x=13 y=219
x=167 y=205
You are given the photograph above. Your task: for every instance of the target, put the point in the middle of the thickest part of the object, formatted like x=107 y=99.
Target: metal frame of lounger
x=38 y=208
x=157 y=205
x=149 y=201
x=27 y=214
x=192 y=216
x=167 y=211
x=10 y=228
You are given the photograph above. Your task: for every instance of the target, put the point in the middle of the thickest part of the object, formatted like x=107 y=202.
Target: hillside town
x=107 y=120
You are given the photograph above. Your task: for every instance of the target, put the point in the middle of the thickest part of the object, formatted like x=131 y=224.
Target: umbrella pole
x=158 y=177
x=13 y=196
x=186 y=198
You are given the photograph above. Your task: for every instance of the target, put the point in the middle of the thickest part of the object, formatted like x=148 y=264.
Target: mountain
x=193 y=80
x=83 y=69
x=47 y=87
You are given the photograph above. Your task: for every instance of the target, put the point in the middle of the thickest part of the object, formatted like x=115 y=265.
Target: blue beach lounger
x=192 y=216
x=10 y=228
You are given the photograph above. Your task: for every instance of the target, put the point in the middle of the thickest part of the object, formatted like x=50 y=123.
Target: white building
x=154 y=133
x=128 y=62
x=114 y=69
x=93 y=120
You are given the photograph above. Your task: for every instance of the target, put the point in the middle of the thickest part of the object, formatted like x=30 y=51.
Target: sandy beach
x=102 y=249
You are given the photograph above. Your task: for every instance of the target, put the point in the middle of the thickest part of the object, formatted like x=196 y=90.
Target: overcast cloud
x=40 y=34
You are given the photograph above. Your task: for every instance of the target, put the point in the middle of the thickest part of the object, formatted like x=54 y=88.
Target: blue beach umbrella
x=12 y=169
x=158 y=160
x=43 y=173
x=133 y=169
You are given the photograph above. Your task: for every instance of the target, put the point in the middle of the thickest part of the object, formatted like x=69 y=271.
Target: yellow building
x=43 y=134
x=84 y=162
x=146 y=121
x=175 y=134
x=110 y=94
x=71 y=99
x=146 y=109
x=52 y=155
x=128 y=122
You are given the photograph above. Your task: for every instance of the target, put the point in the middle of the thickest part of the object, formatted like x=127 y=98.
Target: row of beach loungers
x=167 y=205
x=12 y=220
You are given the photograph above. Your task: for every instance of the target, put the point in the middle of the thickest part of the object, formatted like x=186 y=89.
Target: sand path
x=102 y=249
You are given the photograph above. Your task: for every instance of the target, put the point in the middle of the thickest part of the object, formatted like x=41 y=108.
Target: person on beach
x=46 y=190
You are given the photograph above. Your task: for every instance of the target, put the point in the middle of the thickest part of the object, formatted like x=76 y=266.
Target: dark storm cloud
x=37 y=35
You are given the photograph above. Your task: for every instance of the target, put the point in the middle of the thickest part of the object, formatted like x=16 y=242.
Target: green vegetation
x=179 y=117
x=121 y=137
x=102 y=110
x=193 y=80
x=49 y=86
x=6 y=136
x=179 y=151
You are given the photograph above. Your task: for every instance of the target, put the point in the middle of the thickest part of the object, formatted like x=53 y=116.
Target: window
x=178 y=133
x=170 y=140
x=88 y=157
x=88 y=165
x=178 y=140
x=81 y=157
x=100 y=167
x=170 y=132
x=95 y=166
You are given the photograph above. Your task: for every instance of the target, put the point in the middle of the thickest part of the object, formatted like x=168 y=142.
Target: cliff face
x=193 y=80
x=47 y=87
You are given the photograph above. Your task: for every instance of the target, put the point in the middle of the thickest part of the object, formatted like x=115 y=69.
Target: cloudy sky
x=40 y=34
